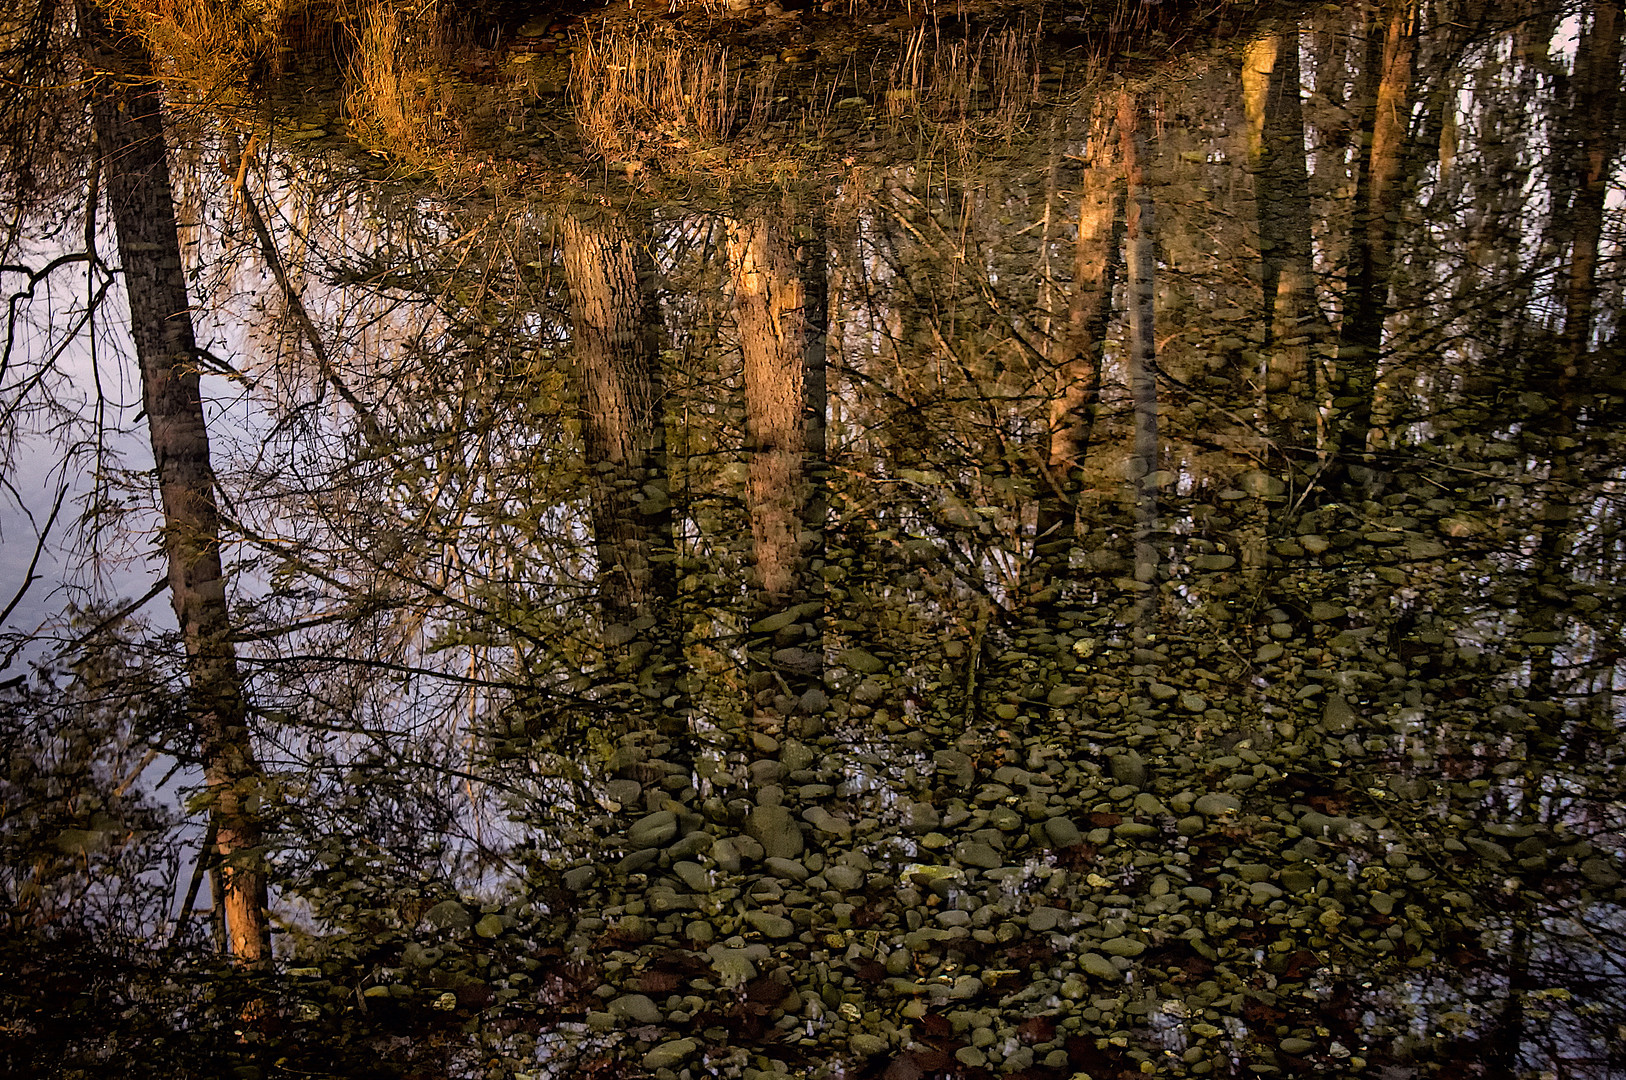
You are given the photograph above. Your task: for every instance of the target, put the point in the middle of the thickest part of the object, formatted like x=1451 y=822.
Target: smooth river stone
x=978 y=854
x=826 y=822
x=733 y=966
x=1062 y=832
x=775 y=926
x=637 y=1008
x=844 y=878
x=653 y=830
x=776 y=830
x=1123 y=946
x=669 y=1054
x=1044 y=919
x=695 y=876
x=1215 y=805
x=789 y=869
x=1128 y=768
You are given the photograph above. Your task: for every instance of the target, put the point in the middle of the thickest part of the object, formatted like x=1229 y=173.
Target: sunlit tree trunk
x=781 y=308
x=1276 y=158
x=615 y=322
x=1075 y=393
x=1378 y=191
x=128 y=117
x=1140 y=267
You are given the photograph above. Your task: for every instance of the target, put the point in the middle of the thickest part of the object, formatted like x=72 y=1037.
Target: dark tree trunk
x=128 y=113
x=1281 y=182
x=1378 y=191
x=616 y=327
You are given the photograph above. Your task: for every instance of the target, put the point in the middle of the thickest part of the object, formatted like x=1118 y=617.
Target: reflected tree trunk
x=1379 y=187
x=127 y=109
x=1075 y=393
x=1276 y=158
x=1558 y=744
x=615 y=321
x=1140 y=266
x=782 y=311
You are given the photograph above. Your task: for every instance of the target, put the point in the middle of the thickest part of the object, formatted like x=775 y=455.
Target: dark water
x=1034 y=568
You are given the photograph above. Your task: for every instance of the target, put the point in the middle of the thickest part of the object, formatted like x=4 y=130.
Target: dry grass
x=212 y=47
x=986 y=86
x=634 y=95
x=638 y=96
x=400 y=98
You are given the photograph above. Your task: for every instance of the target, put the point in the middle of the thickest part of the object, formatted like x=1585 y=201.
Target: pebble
x=1215 y=804
x=1062 y=832
x=637 y=1008
x=860 y=660
x=776 y=830
x=579 y=878
x=653 y=830
x=789 y=869
x=449 y=915
x=1044 y=919
x=921 y=817
x=769 y=924
x=733 y=966
x=844 y=878
x=1135 y=830
x=865 y=1045
x=978 y=854
x=826 y=822
x=695 y=876
x=1128 y=768
x=1123 y=946
x=669 y=1054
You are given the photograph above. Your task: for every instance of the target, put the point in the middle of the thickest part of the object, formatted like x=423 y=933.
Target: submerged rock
x=769 y=924
x=653 y=830
x=671 y=1053
x=637 y=1008
x=776 y=830
x=1062 y=832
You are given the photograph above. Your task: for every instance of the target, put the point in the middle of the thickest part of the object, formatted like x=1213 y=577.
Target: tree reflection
x=1130 y=596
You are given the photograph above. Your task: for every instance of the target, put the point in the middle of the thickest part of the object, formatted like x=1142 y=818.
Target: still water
x=891 y=544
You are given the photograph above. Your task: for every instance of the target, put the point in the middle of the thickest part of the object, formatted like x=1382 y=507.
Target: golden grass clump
x=401 y=98
x=991 y=81
x=212 y=47
x=634 y=94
